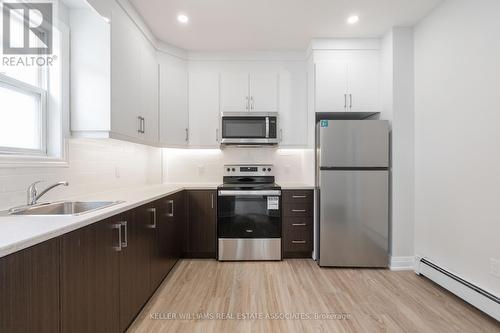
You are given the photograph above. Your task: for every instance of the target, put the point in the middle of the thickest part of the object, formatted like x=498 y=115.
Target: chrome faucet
x=33 y=195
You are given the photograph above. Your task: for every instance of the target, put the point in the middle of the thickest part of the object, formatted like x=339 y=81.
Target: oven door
x=249 y=214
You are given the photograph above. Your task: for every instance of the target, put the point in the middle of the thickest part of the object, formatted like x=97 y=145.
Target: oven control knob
x=264 y=169
x=269 y=169
x=233 y=169
x=228 y=169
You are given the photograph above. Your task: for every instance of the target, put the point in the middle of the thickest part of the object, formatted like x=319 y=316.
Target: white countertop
x=20 y=232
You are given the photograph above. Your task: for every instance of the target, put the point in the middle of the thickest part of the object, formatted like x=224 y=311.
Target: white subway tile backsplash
x=206 y=165
x=92 y=168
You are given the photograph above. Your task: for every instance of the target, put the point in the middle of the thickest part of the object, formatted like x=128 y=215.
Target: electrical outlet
x=495 y=267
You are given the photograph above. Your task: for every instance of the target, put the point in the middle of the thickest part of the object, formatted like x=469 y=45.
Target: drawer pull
x=299 y=196
x=298 y=210
x=299 y=242
x=299 y=224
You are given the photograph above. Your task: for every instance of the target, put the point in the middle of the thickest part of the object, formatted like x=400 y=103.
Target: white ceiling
x=239 y=25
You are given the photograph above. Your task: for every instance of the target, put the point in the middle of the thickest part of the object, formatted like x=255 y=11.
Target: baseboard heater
x=469 y=292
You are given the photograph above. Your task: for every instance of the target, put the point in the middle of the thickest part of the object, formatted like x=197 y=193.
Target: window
x=23 y=120
x=34 y=101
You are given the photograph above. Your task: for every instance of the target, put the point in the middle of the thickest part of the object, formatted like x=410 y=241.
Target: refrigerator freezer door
x=354 y=217
x=354 y=143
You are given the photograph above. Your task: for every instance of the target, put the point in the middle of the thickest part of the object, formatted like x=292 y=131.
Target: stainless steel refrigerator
x=352 y=178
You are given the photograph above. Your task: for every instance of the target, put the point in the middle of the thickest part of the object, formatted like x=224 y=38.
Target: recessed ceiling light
x=182 y=18
x=353 y=19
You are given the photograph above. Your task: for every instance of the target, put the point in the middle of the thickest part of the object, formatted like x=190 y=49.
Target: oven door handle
x=230 y=193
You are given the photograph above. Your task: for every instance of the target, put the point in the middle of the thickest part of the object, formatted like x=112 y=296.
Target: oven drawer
x=298 y=209
x=300 y=196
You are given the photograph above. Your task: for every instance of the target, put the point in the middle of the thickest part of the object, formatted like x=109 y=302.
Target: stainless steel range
x=249 y=214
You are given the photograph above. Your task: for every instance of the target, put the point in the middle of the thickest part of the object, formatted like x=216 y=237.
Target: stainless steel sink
x=62 y=208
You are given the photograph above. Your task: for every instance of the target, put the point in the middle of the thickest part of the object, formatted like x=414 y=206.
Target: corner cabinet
x=348 y=81
x=118 y=98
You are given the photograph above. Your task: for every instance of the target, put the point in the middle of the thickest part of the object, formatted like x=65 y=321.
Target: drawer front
x=298 y=239
x=298 y=209
x=298 y=196
x=297 y=223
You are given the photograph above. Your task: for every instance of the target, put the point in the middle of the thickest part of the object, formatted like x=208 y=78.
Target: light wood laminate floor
x=369 y=300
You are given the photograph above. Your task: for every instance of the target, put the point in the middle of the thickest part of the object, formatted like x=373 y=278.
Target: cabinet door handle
x=345 y=101
x=152 y=225
x=143 y=125
x=140 y=124
x=298 y=210
x=171 y=213
x=281 y=135
x=253 y=103
x=212 y=200
x=299 y=224
x=248 y=103
x=217 y=135
x=187 y=134
x=299 y=242
x=118 y=227
x=299 y=196
x=125 y=228
x=350 y=101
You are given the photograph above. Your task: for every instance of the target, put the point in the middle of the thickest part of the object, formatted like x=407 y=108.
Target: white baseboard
x=462 y=290
x=402 y=264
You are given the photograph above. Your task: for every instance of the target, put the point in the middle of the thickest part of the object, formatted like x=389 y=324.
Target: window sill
x=33 y=161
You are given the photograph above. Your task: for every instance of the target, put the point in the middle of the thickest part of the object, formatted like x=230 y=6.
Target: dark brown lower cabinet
x=134 y=279
x=90 y=278
x=298 y=219
x=167 y=245
x=201 y=229
x=29 y=289
x=98 y=278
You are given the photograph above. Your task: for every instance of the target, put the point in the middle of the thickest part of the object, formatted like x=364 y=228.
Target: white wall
x=397 y=91
x=457 y=139
x=94 y=166
x=206 y=165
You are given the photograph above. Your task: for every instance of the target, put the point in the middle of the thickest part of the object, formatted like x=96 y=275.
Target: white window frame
x=27 y=88
x=54 y=86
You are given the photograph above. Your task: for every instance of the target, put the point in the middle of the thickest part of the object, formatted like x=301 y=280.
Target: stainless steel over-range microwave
x=249 y=128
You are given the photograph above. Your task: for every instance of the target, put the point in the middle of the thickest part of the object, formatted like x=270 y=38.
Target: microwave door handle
x=267 y=127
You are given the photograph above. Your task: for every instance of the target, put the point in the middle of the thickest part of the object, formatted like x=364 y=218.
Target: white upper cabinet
x=116 y=95
x=364 y=82
x=331 y=86
x=204 y=115
x=293 y=117
x=134 y=81
x=173 y=101
x=244 y=91
x=348 y=81
x=264 y=92
x=234 y=92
